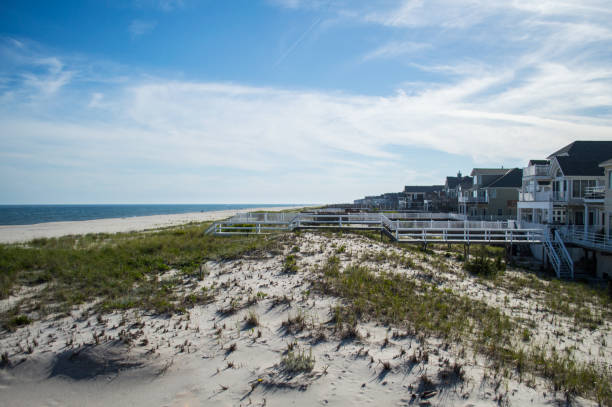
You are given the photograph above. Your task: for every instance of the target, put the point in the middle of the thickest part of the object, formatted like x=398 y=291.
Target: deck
x=401 y=227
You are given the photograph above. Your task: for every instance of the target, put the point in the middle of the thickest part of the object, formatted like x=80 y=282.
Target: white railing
x=473 y=199
x=592 y=239
x=419 y=215
x=266 y=217
x=567 y=258
x=448 y=224
x=597 y=192
x=468 y=235
x=552 y=254
x=402 y=230
x=538 y=196
x=536 y=170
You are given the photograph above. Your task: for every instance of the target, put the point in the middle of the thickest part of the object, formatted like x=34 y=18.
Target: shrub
x=17 y=321
x=290 y=264
x=252 y=319
x=485 y=267
x=297 y=362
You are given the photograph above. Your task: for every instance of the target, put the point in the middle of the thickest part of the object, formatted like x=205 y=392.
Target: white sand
x=188 y=360
x=24 y=233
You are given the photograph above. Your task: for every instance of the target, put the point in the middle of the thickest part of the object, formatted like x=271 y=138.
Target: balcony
x=595 y=194
x=473 y=199
x=587 y=238
x=536 y=171
x=535 y=196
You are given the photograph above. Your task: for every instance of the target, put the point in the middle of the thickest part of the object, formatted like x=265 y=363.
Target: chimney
x=459 y=174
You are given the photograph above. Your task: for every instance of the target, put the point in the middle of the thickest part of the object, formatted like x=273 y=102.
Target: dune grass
x=423 y=309
x=120 y=270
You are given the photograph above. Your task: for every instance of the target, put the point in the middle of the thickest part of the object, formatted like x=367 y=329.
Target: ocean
x=31 y=214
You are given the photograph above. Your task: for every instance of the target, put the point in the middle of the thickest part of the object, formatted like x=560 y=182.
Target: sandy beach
x=24 y=233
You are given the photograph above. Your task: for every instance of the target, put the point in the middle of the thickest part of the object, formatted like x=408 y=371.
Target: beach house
x=452 y=190
x=568 y=187
x=494 y=193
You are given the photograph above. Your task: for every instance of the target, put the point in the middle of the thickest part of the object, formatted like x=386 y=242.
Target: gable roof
x=453 y=182
x=511 y=179
x=571 y=166
x=583 y=157
x=538 y=162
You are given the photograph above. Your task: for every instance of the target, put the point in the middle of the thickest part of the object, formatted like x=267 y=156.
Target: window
x=500 y=212
x=576 y=189
x=580 y=187
x=492 y=193
x=609 y=179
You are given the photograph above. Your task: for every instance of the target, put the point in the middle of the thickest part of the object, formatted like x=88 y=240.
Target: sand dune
x=214 y=355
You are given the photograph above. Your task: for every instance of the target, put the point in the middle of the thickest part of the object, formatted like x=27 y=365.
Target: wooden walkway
x=401 y=227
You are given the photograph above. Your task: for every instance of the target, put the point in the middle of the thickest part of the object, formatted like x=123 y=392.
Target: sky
x=289 y=101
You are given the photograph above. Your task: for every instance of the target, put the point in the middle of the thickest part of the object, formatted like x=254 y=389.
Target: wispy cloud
x=138 y=28
x=396 y=48
x=163 y=5
x=540 y=78
x=170 y=5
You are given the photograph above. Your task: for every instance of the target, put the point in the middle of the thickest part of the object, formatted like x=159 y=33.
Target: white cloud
x=163 y=5
x=51 y=81
x=396 y=48
x=170 y=5
x=138 y=28
x=549 y=86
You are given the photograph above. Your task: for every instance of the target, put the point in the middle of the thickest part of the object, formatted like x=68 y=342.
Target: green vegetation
x=424 y=309
x=252 y=319
x=17 y=321
x=298 y=361
x=397 y=299
x=121 y=270
x=290 y=264
x=572 y=299
x=485 y=267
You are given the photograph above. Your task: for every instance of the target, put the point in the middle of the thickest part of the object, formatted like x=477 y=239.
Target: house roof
x=392 y=194
x=423 y=188
x=513 y=178
x=489 y=171
x=452 y=182
x=583 y=157
x=538 y=162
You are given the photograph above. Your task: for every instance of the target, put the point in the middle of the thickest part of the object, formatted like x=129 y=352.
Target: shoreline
x=24 y=233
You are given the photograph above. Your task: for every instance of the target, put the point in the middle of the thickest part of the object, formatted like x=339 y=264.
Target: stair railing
x=566 y=255
x=552 y=254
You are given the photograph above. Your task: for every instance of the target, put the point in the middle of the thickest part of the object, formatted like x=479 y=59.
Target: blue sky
x=277 y=101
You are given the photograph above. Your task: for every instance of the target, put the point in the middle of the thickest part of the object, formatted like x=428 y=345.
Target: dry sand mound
x=90 y=361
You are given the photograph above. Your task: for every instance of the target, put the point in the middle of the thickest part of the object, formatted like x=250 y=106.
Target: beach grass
x=119 y=271
x=423 y=309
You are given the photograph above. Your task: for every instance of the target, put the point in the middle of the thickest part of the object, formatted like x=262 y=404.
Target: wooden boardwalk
x=402 y=227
